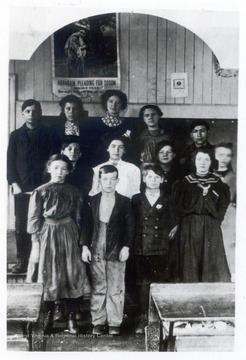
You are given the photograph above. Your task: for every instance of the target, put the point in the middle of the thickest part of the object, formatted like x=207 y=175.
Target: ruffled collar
x=112 y=121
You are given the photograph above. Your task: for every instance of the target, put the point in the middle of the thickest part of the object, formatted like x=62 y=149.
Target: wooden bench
x=201 y=305
x=24 y=317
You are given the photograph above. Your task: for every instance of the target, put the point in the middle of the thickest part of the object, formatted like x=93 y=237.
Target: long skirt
x=60 y=269
x=202 y=253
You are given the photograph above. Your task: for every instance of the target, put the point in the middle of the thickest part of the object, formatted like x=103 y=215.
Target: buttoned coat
x=26 y=157
x=120 y=228
x=152 y=225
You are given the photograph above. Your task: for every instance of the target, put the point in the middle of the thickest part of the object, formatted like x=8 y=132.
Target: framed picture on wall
x=85 y=57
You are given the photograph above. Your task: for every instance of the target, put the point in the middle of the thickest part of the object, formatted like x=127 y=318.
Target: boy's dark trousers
x=23 y=239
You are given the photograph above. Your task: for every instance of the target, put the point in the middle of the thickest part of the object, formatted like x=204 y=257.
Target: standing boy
x=29 y=148
x=153 y=224
x=109 y=249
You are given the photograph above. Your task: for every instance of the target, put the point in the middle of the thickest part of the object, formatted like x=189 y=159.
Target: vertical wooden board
x=198 y=71
x=133 y=58
x=234 y=90
x=225 y=90
x=161 y=60
x=11 y=67
x=142 y=48
x=152 y=60
x=29 y=78
x=207 y=75
x=216 y=85
x=189 y=64
x=39 y=73
x=20 y=80
x=124 y=51
x=47 y=72
x=171 y=56
x=180 y=55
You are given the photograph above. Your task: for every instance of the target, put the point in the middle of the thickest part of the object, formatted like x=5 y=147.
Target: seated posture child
x=55 y=225
x=29 y=148
x=81 y=174
x=128 y=183
x=109 y=249
x=153 y=225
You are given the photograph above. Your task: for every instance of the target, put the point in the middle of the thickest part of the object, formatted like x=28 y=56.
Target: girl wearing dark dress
x=202 y=200
x=71 y=122
x=114 y=102
x=54 y=222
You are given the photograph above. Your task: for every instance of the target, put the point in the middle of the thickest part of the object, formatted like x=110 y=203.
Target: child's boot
x=72 y=324
x=58 y=313
x=48 y=323
x=143 y=322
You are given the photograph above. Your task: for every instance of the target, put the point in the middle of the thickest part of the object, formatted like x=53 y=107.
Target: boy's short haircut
x=199 y=122
x=163 y=143
x=31 y=102
x=155 y=168
x=106 y=169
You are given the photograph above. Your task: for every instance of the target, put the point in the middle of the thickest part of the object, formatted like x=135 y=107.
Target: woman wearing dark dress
x=71 y=123
x=202 y=200
x=112 y=123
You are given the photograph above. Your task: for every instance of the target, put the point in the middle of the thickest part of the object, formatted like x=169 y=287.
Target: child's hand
x=16 y=190
x=124 y=254
x=173 y=232
x=34 y=257
x=86 y=254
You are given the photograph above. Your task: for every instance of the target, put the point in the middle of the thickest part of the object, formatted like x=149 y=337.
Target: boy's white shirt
x=129 y=178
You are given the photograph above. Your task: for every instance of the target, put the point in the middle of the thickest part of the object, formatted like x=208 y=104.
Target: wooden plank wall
x=151 y=48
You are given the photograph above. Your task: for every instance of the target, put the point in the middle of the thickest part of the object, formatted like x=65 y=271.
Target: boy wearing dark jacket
x=29 y=148
x=153 y=225
x=107 y=251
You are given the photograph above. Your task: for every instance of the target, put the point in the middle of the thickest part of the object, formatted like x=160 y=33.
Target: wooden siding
x=151 y=48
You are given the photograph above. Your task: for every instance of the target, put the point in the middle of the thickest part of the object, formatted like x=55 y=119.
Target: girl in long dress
x=55 y=225
x=202 y=200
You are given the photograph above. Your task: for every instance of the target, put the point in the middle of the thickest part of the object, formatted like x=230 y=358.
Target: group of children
x=171 y=223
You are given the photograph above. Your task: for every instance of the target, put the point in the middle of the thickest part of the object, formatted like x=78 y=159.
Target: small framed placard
x=179 y=85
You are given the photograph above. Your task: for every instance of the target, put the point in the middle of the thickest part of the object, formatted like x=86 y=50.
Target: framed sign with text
x=85 y=57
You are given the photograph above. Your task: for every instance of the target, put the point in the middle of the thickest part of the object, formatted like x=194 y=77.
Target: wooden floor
x=61 y=340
